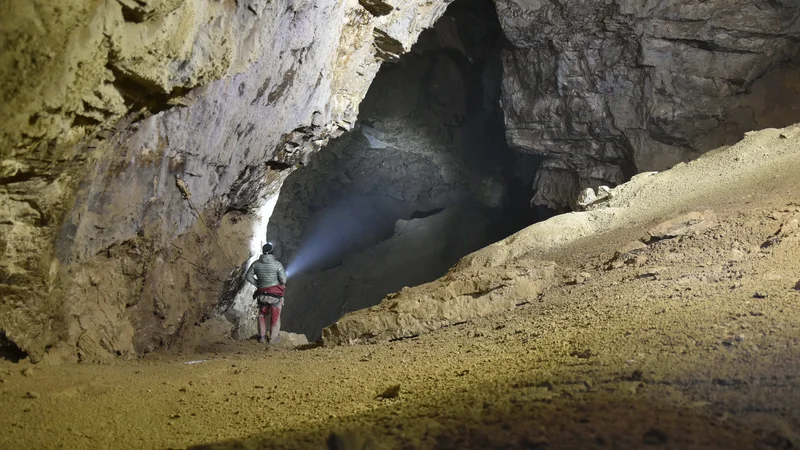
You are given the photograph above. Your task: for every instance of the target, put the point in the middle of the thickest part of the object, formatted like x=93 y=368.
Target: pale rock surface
x=691 y=223
x=290 y=341
x=586 y=198
x=243 y=313
x=104 y=102
x=604 y=91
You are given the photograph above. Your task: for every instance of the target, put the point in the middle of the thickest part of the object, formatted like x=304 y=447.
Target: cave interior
x=424 y=178
x=427 y=172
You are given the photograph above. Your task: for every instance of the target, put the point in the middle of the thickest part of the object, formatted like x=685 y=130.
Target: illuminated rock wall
x=105 y=102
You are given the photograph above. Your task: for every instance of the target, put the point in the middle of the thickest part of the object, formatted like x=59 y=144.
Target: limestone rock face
x=604 y=90
x=105 y=102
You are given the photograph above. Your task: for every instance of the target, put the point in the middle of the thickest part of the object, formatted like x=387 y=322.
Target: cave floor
x=692 y=344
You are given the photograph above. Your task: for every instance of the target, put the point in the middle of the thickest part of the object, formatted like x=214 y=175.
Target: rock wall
x=603 y=90
x=106 y=102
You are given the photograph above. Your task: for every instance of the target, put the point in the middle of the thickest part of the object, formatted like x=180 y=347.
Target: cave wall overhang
x=105 y=102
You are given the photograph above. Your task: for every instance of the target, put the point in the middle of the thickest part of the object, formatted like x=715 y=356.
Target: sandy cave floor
x=692 y=343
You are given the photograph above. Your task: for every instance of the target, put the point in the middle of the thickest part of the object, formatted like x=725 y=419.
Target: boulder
x=690 y=223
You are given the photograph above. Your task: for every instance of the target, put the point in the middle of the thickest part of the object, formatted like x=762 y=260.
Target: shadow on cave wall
x=425 y=178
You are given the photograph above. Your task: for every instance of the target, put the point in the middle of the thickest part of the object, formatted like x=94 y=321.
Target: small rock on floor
x=581 y=278
x=290 y=340
x=690 y=223
x=652 y=272
x=390 y=392
x=630 y=247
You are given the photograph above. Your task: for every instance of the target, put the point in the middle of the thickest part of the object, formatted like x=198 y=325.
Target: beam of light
x=338 y=231
x=317 y=247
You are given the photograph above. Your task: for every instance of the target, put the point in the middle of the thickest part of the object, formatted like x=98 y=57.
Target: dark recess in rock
x=9 y=351
x=425 y=177
x=377 y=7
x=424 y=214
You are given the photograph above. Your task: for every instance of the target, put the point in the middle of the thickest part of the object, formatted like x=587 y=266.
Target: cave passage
x=424 y=178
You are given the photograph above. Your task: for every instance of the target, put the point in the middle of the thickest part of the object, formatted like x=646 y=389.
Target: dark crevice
x=279 y=90
x=404 y=338
x=139 y=11
x=9 y=350
x=710 y=46
x=132 y=15
x=143 y=94
x=20 y=177
x=484 y=293
x=424 y=214
x=277 y=165
x=84 y=121
x=377 y=7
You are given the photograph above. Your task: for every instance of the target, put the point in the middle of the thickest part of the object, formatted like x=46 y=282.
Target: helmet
x=267 y=248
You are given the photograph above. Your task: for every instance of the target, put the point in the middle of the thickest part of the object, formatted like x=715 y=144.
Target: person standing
x=269 y=277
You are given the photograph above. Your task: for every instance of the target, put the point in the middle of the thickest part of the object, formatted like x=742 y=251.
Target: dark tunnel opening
x=424 y=178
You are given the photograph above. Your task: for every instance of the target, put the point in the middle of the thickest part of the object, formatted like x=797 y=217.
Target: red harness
x=273 y=291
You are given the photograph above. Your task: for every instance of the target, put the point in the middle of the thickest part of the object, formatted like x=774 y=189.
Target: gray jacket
x=266 y=271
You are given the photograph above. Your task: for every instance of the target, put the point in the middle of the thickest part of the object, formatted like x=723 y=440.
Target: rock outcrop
x=603 y=90
x=105 y=102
